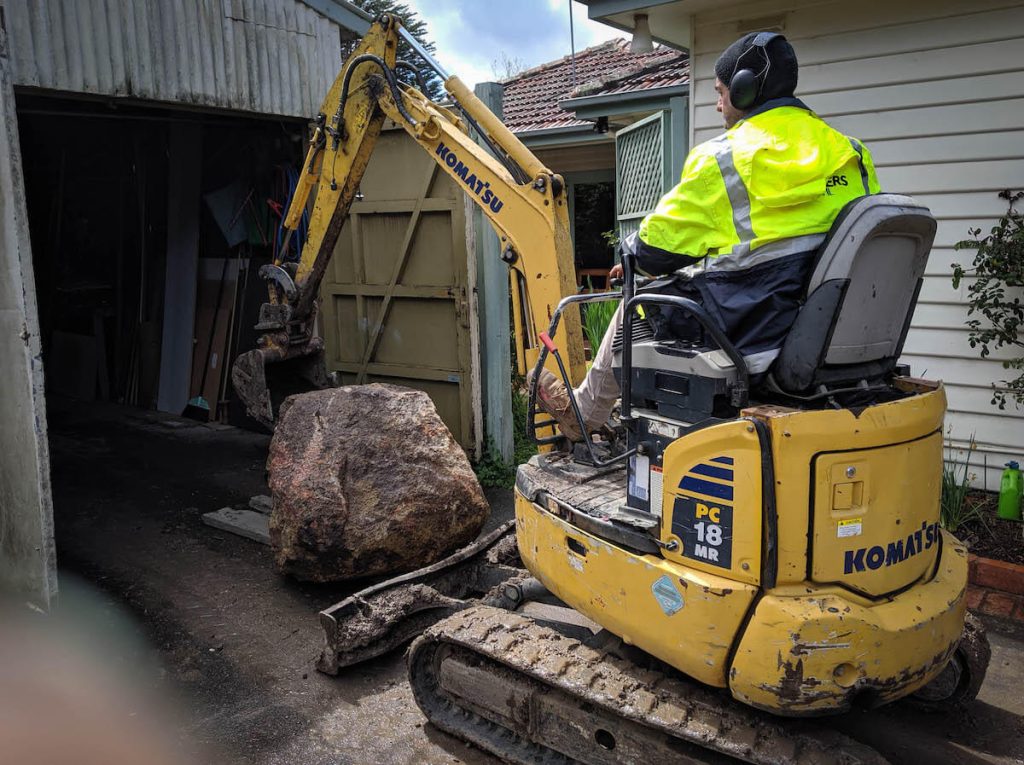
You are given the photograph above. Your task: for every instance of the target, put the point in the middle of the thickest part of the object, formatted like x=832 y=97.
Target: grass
x=596 y=318
x=956 y=483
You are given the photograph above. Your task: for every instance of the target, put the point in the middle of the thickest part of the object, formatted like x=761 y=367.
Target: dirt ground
x=990 y=536
x=200 y=617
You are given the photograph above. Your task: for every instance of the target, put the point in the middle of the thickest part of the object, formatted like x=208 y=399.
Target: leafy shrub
x=996 y=294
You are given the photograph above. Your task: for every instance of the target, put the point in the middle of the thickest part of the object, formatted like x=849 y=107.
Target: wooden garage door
x=397 y=295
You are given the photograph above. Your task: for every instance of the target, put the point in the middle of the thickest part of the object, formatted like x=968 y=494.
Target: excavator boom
x=524 y=201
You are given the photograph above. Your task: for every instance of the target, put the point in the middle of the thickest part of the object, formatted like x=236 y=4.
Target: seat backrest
x=860 y=297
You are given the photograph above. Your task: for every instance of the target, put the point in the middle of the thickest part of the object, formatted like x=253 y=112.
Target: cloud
x=471 y=35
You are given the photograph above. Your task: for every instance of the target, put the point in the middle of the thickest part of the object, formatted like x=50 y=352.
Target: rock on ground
x=367 y=480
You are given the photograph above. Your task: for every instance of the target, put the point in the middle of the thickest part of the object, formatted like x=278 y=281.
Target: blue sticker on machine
x=702 y=514
x=667 y=595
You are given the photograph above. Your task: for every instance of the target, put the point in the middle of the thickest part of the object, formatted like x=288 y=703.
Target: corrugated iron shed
x=274 y=57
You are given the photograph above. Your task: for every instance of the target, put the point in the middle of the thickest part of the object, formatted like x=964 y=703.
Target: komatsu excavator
x=751 y=550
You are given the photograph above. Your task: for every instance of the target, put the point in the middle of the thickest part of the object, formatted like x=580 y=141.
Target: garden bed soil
x=991 y=536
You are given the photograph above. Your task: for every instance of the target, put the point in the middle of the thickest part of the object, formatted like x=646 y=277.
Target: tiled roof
x=532 y=97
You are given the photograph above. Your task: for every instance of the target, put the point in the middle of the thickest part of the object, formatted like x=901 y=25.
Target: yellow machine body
x=802 y=564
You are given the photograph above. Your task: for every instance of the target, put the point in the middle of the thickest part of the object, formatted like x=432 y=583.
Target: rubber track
x=975 y=652
x=672 y=705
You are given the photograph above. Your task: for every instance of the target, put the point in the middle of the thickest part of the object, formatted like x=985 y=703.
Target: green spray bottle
x=1010 y=492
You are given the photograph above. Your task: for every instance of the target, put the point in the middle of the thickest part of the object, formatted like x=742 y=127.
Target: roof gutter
x=618 y=99
x=343 y=13
x=573 y=134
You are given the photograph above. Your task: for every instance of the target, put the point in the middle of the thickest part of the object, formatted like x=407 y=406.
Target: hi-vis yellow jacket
x=749 y=212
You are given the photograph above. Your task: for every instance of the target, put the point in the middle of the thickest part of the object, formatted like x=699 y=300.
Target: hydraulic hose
x=509 y=164
x=389 y=75
x=420 y=79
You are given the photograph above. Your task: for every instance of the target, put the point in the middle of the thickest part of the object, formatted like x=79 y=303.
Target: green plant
x=492 y=470
x=996 y=294
x=596 y=318
x=523 y=446
x=956 y=483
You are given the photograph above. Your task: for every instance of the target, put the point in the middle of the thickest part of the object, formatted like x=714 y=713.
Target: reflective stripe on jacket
x=750 y=209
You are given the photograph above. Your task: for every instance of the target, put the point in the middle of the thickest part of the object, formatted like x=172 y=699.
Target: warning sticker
x=851 y=527
x=656 y=488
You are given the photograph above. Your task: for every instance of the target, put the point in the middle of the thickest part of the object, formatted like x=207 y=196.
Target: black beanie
x=779 y=82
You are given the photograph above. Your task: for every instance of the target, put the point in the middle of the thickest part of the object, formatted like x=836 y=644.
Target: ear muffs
x=745 y=85
x=744 y=89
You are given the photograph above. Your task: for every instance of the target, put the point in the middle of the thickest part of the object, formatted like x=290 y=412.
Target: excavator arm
x=524 y=201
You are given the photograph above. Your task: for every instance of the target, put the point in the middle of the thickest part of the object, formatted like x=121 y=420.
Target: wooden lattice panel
x=640 y=167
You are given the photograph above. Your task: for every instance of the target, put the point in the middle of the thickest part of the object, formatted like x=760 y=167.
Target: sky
x=472 y=34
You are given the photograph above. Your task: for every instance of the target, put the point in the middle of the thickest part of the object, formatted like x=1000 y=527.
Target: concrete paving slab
x=261 y=503
x=244 y=523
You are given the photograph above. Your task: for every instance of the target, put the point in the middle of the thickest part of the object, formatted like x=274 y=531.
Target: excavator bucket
x=263 y=380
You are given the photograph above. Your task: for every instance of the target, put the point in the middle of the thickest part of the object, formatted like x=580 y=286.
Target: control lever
x=551 y=348
x=640 y=281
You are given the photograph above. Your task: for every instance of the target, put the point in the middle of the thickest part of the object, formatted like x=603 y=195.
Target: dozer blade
x=263 y=380
x=385 y=616
x=529 y=694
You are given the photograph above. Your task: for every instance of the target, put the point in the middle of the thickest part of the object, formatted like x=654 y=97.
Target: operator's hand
x=616 y=272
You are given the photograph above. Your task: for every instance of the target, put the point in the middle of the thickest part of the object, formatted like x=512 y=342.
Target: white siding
x=266 y=56
x=936 y=90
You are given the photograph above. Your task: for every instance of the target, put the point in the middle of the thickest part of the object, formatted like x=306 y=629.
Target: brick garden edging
x=996 y=588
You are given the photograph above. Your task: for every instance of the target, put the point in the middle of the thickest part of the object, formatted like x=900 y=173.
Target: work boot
x=553 y=398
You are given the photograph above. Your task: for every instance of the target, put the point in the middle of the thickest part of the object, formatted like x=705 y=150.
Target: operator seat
x=860 y=298
x=849 y=333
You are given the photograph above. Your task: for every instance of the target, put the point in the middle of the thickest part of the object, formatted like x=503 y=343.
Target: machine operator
x=739 y=232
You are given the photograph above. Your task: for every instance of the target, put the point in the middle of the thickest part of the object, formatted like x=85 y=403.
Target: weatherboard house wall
x=936 y=91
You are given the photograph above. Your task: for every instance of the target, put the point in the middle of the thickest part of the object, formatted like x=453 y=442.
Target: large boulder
x=367 y=480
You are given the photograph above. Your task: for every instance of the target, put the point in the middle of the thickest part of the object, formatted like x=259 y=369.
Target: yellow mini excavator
x=753 y=548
